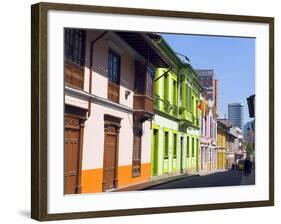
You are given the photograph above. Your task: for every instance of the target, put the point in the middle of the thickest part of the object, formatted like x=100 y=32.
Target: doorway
x=110 y=163
x=181 y=153
x=154 y=164
x=72 y=154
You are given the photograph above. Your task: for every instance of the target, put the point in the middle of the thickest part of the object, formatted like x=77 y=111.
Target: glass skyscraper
x=235 y=114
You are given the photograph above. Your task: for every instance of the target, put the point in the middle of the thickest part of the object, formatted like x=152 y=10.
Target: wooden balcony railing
x=196 y=121
x=157 y=102
x=143 y=102
x=185 y=114
x=174 y=110
x=113 y=92
x=73 y=75
x=165 y=106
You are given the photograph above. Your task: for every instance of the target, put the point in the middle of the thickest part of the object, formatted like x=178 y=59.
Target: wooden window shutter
x=137 y=132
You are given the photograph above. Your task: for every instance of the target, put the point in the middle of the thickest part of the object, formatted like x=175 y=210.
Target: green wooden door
x=166 y=153
x=181 y=154
x=175 y=151
x=154 y=152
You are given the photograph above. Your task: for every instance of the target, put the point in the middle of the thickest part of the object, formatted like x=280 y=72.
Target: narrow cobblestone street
x=227 y=178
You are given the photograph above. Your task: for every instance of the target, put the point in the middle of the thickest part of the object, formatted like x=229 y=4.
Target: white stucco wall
x=165 y=122
x=93 y=146
x=100 y=67
x=73 y=101
x=94 y=138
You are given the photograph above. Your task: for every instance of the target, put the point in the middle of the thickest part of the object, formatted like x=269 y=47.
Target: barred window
x=166 y=145
x=149 y=82
x=187 y=147
x=74 y=46
x=193 y=148
x=175 y=145
x=113 y=67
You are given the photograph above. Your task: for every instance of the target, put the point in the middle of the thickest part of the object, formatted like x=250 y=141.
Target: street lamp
x=184 y=56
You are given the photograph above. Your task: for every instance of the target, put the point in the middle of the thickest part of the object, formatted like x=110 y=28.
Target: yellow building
x=222 y=143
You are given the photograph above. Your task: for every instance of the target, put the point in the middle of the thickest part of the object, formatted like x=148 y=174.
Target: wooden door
x=136 y=155
x=166 y=153
x=110 y=157
x=154 y=153
x=71 y=156
x=181 y=153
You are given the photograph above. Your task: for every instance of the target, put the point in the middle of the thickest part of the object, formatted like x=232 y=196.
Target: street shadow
x=219 y=179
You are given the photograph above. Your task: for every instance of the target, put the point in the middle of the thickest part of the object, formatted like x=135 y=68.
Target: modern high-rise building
x=207 y=80
x=235 y=114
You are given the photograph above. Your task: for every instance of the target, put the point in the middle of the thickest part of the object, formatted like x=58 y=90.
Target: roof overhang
x=143 y=46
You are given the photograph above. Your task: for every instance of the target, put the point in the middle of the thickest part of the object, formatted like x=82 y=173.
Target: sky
x=233 y=60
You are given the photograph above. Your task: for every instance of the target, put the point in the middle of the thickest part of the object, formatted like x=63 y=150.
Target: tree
x=249 y=149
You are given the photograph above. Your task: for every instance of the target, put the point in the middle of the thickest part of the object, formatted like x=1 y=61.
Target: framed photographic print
x=138 y=111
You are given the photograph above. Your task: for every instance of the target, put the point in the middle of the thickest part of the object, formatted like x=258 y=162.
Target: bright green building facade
x=175 y=127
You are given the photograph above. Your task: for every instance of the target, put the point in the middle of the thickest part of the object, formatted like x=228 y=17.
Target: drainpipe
x=91 y=68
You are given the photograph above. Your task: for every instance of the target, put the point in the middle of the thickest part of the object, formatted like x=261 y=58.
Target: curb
x=154 y=183
x=170 y=181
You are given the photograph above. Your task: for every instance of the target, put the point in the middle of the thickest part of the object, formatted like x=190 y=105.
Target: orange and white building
x=108 y=109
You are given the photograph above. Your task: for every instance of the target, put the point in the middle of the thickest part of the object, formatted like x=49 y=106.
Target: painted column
x=184 y=100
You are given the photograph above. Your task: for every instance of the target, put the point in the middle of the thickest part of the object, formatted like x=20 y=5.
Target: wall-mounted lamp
x=184 y=56
x=127 y=93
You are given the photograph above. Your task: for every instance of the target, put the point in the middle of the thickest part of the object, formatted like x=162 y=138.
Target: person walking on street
x=246 y=166
x=250 y=167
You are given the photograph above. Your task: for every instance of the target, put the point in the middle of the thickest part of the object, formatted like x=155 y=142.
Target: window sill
x=136 y=175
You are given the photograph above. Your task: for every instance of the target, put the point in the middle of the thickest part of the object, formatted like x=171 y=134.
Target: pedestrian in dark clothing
x=250 y=167
x=246 y=166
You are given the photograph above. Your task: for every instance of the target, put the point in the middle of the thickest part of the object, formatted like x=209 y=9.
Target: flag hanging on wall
x=200 y=105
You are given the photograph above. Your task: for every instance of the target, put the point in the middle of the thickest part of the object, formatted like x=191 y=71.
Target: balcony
x=113 y=92
x=165 y=106
x=196 y=121
x=185 y=115
x=143 y=91
x=174 y=110
x=73 y=75
x=170 y=109
x=157 y=102
x=143 y=103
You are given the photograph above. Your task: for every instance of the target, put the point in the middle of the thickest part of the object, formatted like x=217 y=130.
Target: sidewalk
x=163 y=180
x=152 y=183
x=204 y=173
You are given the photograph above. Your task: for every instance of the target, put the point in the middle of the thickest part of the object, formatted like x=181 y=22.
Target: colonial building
x=240 y=152
x=176 y=131
x=208 y=140
x=208 y=81
x=231 y=151
x=249 y=131
x=108 y=109
x=230 y=144
x=223 y=127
